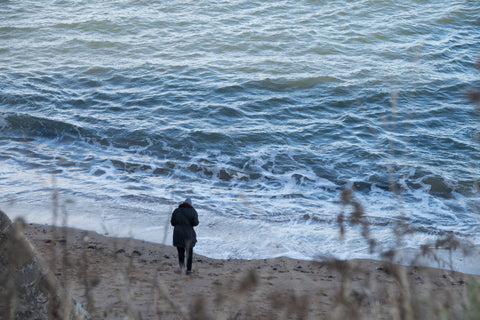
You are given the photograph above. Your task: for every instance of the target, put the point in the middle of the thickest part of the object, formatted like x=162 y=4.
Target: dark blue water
x=262 y=112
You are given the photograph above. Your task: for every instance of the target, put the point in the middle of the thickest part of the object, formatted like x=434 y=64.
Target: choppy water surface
x=261 y=111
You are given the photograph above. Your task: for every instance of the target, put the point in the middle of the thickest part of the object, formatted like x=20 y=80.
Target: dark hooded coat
x=184 y=218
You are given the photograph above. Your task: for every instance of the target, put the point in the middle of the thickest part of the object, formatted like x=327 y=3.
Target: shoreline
x=447 y=259
x=112 y=277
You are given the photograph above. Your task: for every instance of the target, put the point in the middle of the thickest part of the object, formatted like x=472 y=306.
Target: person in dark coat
x=184 y=218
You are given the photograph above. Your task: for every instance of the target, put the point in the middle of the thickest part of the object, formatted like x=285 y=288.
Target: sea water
x=113 y=112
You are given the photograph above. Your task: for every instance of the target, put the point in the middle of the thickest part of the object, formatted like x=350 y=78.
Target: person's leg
x=181 y=257
x=189 y=259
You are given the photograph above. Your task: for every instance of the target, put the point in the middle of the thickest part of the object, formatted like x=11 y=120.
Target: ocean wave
x=262 y=111
x=27 y=125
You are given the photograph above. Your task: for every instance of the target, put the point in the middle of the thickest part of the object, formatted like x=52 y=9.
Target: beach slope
x=117 y=277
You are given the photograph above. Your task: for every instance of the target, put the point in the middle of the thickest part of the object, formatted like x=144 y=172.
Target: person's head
x=188 y=200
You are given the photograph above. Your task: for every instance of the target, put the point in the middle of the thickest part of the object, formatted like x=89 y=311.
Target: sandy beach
x=123 y=278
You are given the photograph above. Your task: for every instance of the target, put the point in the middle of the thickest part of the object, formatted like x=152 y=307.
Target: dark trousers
x=181 y=257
